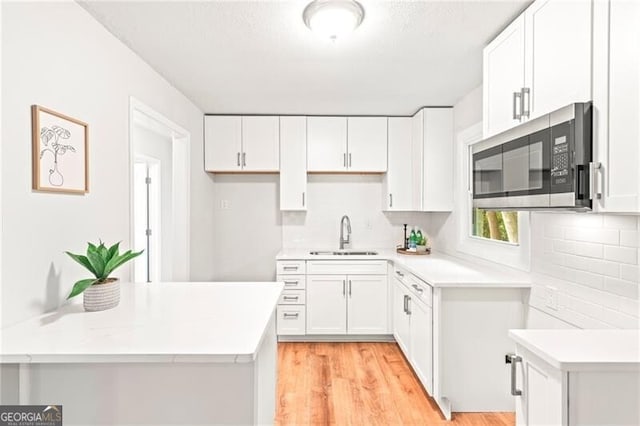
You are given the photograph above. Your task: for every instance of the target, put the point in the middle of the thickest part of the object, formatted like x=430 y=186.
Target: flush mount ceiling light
x=333 y=18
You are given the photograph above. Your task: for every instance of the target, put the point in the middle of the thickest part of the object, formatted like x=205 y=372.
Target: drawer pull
x=290 y=268
x=400 y=274
x=418 y=289
x=290 y=316
x=291 y=283
x=290 y=298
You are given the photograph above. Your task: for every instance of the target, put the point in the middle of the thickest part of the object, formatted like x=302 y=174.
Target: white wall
x=58 y=56
x=358 y=196
x=592 y=261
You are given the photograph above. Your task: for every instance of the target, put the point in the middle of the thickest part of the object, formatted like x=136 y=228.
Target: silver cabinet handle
x=513 y=359
x=390 y=200
x=290 y=298
x=408 y=305
x=290 y=268
x=349 y=288
x=349 y=159
x=238 y=159
x=344 y=160
x=303 y=199
x=525 y=107
x=593 y=190
x=418 y=289
x=517 y=100
x=404 y=303
x=291 y=283
x=244 y=159
x=399 y=274
x=344 y=287
x=290 y=316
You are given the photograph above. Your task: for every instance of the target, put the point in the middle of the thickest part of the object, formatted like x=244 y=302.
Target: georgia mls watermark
x=30 y=415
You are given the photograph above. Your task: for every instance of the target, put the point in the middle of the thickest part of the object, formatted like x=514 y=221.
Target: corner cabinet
x=539 y=63
x=293 y=163
x=616 y=102
x=347 y=144
x=241 y=143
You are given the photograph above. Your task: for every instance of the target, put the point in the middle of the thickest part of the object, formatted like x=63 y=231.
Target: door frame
x=146 y=117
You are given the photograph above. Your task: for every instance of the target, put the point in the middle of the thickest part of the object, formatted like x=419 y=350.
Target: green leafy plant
x=100 y=261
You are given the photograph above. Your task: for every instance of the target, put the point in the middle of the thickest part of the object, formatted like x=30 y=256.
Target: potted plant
x=101 y=292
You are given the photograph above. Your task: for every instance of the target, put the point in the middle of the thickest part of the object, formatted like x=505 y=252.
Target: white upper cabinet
x=326 y=144
x=432 y=160
x=503 y=69
x=235 y=143
x=539 y=63
x=223 y=143
x=437 y=183
x=341 y=144
x=616 y=101
x=293 y=163
x=558 y=54
x=261 y=143
x=367 y=144
x=397 y=183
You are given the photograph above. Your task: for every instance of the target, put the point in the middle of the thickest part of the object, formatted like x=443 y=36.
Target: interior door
x=326 y=304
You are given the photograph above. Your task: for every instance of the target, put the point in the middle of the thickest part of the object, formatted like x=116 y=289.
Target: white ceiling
x=257 y=57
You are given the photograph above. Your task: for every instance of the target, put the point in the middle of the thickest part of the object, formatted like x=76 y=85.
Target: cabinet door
x=397 y=182
x=422 y=343
x=558 y=54
x=616 y=102
x=367 y=144
x=367 y=304
x=503 y=74
x=326 y=304
x=326 y=144
x=543 y=401
x=261 y=144
x=293 y=163
x=401 y=325
x=222 y=143
x=437 y=184
x=417 y=142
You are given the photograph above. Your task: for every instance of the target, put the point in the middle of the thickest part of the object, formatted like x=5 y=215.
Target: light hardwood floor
x=358 y=384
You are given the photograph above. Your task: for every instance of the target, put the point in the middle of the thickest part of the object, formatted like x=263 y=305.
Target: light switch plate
x=551 y=298
x=224 y=204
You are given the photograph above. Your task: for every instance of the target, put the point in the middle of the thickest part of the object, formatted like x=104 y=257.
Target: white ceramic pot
x=100 y=297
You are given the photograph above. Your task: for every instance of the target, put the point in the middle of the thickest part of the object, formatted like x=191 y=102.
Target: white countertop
x=158 y=322
x=583 y=350
x=437 y=269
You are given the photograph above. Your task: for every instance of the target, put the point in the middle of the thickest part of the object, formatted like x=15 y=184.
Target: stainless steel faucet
x=343 y=241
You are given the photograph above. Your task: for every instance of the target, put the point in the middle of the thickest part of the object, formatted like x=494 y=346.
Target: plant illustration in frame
x=60 y=152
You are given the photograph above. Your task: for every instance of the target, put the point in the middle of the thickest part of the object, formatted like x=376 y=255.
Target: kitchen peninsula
x=170 y=353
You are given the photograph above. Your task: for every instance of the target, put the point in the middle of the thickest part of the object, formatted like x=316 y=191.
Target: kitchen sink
x=344 y=253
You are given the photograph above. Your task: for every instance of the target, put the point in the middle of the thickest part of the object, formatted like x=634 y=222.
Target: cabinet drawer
x=347 y=267
x=292 y=297
x=420 y=289
x=291 y=320
x=287 y=267
x=293 y=282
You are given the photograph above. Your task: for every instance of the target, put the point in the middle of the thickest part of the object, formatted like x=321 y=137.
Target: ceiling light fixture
x=333 y=18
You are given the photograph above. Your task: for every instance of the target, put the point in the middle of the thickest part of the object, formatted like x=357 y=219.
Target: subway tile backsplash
x=591 y=262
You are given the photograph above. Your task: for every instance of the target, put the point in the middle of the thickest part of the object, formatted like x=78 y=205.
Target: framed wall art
x=60 y=152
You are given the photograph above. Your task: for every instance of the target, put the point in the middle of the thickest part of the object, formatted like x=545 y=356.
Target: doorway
x=159 y=196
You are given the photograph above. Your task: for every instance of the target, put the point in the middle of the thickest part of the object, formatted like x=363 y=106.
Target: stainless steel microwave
x=545 y=163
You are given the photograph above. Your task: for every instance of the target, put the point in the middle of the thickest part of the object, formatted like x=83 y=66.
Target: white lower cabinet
x=291 y=311
x=347 y=304
x=413 y=324
x=290 y=320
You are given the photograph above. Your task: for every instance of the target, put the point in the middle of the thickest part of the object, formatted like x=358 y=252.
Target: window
x=495 y=225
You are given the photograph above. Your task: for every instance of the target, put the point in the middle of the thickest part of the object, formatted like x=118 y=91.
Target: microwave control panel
x=560 y=162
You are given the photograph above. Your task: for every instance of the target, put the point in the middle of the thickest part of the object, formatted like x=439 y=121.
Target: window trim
x=509 y=254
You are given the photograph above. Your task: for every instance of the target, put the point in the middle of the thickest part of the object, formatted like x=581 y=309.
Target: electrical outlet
x=551 y=298
x=224 y=204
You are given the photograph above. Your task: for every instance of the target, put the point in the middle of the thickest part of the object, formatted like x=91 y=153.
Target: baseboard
x=338 y=338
